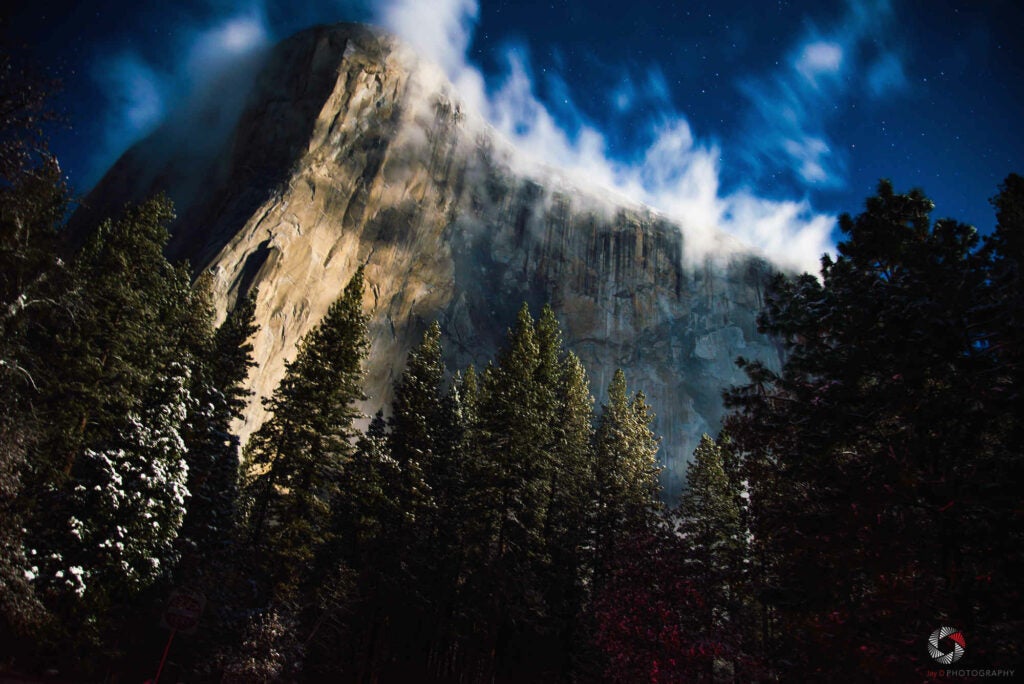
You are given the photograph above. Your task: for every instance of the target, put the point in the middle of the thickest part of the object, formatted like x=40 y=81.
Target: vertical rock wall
x=352 y=152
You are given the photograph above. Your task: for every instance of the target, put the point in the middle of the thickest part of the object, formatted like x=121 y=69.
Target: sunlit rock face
x=350 y=151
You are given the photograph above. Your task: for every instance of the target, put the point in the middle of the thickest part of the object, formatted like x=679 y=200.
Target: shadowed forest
x=500 y=523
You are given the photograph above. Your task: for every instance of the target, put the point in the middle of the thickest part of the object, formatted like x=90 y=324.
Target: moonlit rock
x=350 y=150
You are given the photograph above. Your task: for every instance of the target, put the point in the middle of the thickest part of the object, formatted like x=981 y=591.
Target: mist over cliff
x=351 y=150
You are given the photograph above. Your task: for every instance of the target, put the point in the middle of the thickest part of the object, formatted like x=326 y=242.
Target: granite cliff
x=349 y=150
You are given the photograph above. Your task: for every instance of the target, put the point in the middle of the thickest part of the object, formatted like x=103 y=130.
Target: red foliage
x=651 y=622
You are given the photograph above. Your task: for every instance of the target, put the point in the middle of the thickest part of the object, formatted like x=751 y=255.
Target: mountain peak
x=349 y=150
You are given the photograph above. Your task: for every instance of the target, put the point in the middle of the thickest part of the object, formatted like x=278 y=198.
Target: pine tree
x=709 y=523
x=128 y=503
x=132 y=316
x=548 y=386
x=626 y=468
x=231 y=356
x=208 y=542
x=299 y=454
x=571 y=496
x=367 y=507
x=109 y=482
x=457 y=532
x=881 y=423
x=513 y=420
x=515 y=466
x=223 y=360
x=414 y=439
x=408 y=582
x=999 y=335
x=352 y=567
x=463 y=639
x=33 y=284
x=710 y=515
x=644 y=469
x=32 y=277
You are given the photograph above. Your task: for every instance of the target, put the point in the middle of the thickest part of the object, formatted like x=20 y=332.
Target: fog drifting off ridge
x=677 y=174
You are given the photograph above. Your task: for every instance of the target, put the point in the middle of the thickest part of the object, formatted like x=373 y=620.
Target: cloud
x=812 y=154
x=787 y=128
x=208 y=49
x=134 y=93
x=819 y=58
x=440 y=30
x=207 y=84
x=673 y=170
x=886 y=75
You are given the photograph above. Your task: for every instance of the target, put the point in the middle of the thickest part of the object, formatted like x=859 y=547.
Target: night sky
x=779 y=114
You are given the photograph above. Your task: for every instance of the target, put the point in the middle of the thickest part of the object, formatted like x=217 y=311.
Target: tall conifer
x=298 y=455
x=626 y=468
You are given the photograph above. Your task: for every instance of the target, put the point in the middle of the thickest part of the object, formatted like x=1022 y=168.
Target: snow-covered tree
x=626 y=465
x=127 y=504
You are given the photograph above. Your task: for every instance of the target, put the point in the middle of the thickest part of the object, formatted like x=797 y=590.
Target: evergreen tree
x=998 y=333
x=132 y=316
x=462 y=637
x=414 y=440
x=454 y=548
x=643 y=467
x=515 y=436
x=208 y=542
x=571 y=495
x=880 y=424
x=409 y=566
x=710 y=516
x=223 y=360
x=347 y=618
x=626 y=467
x=299 y=454
x=710 y=527
x=128 y=502
x=32 y=204
x=298 y=460
x=367 y=507
x=109 y=478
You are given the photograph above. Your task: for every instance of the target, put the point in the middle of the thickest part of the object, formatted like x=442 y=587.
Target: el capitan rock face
x=350 y=151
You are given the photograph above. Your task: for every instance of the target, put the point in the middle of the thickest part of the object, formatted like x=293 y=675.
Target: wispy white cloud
x=819 y=58
x=440 y=30
x=812 y=155
x=207 y=49
x=649 y=88
x=675 y=171
x=141 y=96
x=791 y=108
x=134 y=92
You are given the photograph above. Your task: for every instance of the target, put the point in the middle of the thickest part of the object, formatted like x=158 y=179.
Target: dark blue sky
x=782 y=111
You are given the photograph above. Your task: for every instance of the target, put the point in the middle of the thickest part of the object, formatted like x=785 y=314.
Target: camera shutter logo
x=956 y=638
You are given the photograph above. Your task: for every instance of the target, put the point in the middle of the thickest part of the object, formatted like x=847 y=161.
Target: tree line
x=460 y=538
x=866 y=494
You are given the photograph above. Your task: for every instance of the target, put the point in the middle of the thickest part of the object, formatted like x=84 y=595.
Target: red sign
x=183 y=610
